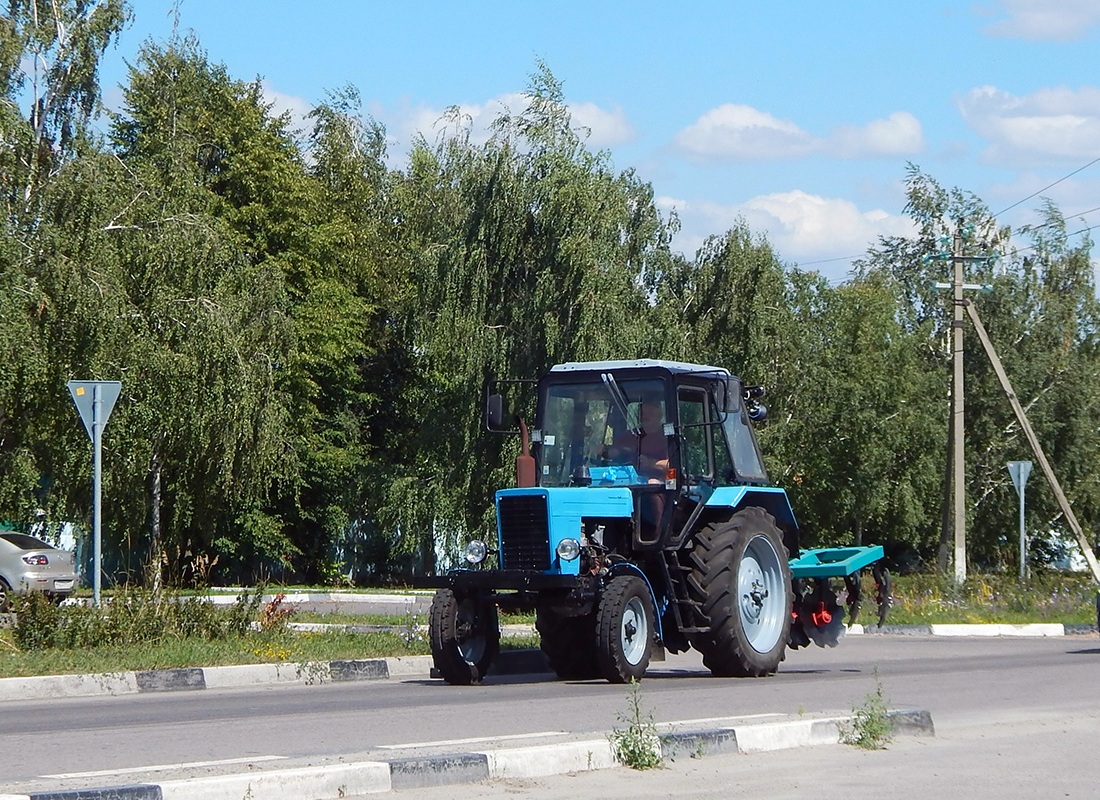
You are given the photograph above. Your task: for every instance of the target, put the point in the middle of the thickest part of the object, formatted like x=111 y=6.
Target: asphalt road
x=989 y=686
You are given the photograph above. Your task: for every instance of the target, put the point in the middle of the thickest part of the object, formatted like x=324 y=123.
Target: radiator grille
x=525 y=533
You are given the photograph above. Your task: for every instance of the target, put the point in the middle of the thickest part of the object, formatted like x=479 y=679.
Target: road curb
x=367 y=777
x=197 y=678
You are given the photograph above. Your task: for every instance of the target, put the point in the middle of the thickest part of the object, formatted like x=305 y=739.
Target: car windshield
x=24 y=542
x=585 y=424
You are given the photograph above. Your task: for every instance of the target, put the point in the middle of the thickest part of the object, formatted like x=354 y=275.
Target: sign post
x=95 y=401
x=1019 y=471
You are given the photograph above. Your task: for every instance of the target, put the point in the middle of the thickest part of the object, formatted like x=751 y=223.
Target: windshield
x=620 y=440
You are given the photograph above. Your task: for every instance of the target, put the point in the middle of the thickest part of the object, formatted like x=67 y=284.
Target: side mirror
x=494 y=412
x=757 y=412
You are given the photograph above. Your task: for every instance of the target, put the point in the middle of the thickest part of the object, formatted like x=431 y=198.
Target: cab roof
x=678 y=367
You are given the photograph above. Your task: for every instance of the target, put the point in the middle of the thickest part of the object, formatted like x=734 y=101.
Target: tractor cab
x=670 y=433
x=644 y=423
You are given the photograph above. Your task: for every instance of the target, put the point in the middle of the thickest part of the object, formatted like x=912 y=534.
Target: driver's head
x=652 y=417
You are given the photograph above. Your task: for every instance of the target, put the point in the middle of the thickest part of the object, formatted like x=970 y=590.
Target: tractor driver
x=650 y=447
x=653 y=447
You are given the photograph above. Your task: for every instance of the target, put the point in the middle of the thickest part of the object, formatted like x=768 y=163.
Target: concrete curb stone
x=342 y=780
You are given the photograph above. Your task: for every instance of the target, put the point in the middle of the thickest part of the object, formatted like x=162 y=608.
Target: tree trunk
x=155 y=547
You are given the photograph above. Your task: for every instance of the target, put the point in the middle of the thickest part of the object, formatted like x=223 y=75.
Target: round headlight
x=568 y=549
x=476 y=551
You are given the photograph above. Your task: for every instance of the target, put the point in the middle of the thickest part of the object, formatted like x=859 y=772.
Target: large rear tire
x=625 y=626
x=569 y=644
x=742 y=580
x=464 y=631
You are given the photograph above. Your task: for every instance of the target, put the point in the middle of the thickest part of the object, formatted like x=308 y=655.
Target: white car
x=28 y=564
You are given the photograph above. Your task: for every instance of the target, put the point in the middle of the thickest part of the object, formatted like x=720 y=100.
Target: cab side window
x=695 y=435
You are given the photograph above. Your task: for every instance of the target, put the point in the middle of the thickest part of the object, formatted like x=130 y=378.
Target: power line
x=1063 y=178
x=1065 y=217
x=999 y=213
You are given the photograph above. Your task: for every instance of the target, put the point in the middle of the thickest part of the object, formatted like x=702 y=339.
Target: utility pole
x=958 y=404
x=958 y=430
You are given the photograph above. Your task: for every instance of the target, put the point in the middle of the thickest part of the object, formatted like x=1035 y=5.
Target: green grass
x=1050 y=597
x=257 y=648
x=194 y=652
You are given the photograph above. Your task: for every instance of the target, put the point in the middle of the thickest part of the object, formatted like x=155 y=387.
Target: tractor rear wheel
x=742 y=580
x=569 y=644
x=625 y=629
x=464 y=631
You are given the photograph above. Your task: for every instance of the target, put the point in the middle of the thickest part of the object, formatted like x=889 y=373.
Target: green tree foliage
x=867 y=433
x=526 y=250
x=849 y=423
x=344 y=281
x=49 y=55
x=303 y=330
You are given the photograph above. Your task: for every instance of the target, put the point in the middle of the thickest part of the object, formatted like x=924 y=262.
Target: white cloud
x=741 y=132
x=900 y=134
x=1036 y=20
x=599 y=127
x=802 y=228
x=407 y=122
x=1058 y=123
x=605 y=128
x=297 y=107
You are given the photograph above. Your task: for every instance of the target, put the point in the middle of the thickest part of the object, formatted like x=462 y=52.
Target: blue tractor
x=642 y=521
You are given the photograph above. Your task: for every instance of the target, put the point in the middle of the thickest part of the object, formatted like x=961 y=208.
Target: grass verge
x=925 y=599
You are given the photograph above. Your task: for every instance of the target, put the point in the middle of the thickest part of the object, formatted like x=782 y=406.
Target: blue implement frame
x=834 y=562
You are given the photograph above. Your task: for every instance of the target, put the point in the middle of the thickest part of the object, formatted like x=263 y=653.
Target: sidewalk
x=728 y=737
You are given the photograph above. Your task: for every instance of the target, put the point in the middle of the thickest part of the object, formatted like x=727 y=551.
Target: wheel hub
x=634 y=631
x=759 y=582
x=468 y=634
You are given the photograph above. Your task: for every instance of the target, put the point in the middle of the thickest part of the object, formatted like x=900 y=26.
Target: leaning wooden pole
x=1033 y=440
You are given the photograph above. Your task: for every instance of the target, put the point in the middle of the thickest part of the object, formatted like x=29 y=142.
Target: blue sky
x=799 y=117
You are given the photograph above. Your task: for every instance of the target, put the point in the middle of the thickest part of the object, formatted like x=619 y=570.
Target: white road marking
x=165 y=767
x=471 y=741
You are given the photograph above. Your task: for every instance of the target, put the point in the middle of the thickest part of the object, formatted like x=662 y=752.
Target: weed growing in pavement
x=637 y=745
x=312 y=672
x=870 y=727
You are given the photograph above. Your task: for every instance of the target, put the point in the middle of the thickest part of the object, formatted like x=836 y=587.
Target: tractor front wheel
x=742 y=581
x=625 y=629
x=465 y=636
